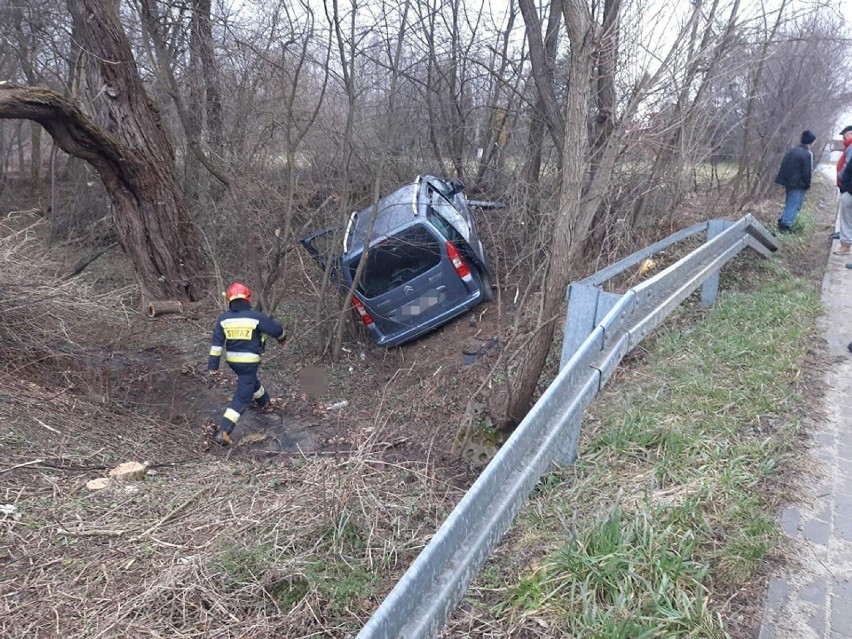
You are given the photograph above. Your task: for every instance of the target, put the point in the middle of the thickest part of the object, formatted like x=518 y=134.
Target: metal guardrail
x=601 y=329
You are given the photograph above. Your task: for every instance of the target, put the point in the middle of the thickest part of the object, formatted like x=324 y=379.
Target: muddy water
x=278 y=432
x=150 y=386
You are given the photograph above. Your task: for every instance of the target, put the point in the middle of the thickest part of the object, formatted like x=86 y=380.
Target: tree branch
x=70 y=128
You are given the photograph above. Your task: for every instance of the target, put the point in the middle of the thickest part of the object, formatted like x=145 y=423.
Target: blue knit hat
x=807 y=137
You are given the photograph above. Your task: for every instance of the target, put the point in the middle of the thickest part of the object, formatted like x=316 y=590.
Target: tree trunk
x=496 y=130
x=570 y=224
x=35 y=162
x=130 y=152
x=213 y=99
x=26 y=53
x=605 y=60
x=195 y=181
x=153 y=225
x=542 y=61
x=581 y=194
x=204 y=104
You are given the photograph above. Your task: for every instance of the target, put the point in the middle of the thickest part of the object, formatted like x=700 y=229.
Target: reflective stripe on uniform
x=242 y=358
x=239 y=328
x=215 y=351
x=232 y=415
x=260 y=392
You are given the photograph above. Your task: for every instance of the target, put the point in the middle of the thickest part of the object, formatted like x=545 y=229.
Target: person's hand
x=282 y=339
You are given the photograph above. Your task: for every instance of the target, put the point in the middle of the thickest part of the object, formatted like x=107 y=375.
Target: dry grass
x=205 y=545
x=215 y=550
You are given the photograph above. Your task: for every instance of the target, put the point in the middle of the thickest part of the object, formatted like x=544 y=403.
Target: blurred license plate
x=422 y=303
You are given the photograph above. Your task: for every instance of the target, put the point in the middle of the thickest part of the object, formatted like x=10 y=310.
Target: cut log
x=98 y=484
x=162 y=307
x=129 y=471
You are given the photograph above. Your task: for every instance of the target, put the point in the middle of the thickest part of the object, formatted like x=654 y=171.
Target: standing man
x=795 y=176
x=844 y=214
x=241 y=331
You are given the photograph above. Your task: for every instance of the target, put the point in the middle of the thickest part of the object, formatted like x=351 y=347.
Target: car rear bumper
x=395 y=339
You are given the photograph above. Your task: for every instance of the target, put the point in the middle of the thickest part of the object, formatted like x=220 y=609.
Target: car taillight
x=362 y=312
x=458 y=263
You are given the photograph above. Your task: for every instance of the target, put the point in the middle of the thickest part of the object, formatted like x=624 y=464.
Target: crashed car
x=425 y=266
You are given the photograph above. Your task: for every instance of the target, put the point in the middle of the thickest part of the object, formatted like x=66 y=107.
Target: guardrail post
x=587 y=306
x=711 y=286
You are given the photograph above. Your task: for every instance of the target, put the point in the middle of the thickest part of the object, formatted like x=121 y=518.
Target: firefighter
x=241 y=332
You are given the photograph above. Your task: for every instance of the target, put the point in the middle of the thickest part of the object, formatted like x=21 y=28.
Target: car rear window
x=397 y=260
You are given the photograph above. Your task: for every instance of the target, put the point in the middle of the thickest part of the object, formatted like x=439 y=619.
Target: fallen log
x=162 y=307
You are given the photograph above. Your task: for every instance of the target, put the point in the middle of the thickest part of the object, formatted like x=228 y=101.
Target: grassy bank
x=663 y=526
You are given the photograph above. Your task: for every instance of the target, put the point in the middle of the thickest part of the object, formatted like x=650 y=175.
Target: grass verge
x=670 y=511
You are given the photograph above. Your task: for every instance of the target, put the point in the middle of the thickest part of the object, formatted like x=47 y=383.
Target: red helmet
x=237 y=291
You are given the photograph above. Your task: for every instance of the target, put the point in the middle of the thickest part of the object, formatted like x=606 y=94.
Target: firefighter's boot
x=223 y=438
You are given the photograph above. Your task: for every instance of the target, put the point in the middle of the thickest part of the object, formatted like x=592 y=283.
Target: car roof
x=395 y=210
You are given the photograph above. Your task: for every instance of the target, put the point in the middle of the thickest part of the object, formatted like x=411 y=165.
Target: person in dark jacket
x=795 y=176
x=241 y=333
x=844 y=184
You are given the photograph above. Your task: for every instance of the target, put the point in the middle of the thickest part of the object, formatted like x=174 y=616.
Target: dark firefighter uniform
x=241 y=333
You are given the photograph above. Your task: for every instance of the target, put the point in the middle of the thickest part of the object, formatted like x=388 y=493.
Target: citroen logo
x=408 y=289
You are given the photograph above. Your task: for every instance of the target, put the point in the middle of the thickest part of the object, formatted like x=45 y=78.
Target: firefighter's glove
x=282 y=339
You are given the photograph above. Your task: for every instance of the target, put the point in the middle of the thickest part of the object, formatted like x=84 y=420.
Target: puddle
x=275 y=433
x=184 y=397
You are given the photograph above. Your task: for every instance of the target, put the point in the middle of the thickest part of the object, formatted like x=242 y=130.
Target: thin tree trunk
x=605 y=61
x=26 y=52
x=497 y=127
x=745 y=155
x=568 y=231
x=347 y=62
x=581 y=194
x=164 y=71
x=542 y=61
x=377 y=184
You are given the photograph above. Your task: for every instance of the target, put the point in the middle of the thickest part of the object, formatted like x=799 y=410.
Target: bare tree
x=500 y=105
x=131 y=153
x=26 y=55
x=545 y=112
x=754 y=83
x=583 y=188
x=703 y=55
x=569 y=225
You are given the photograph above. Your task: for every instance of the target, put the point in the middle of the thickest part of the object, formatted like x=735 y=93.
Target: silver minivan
x=425 y=264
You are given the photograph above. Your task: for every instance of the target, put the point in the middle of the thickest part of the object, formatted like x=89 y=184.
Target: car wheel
x=485 y=282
